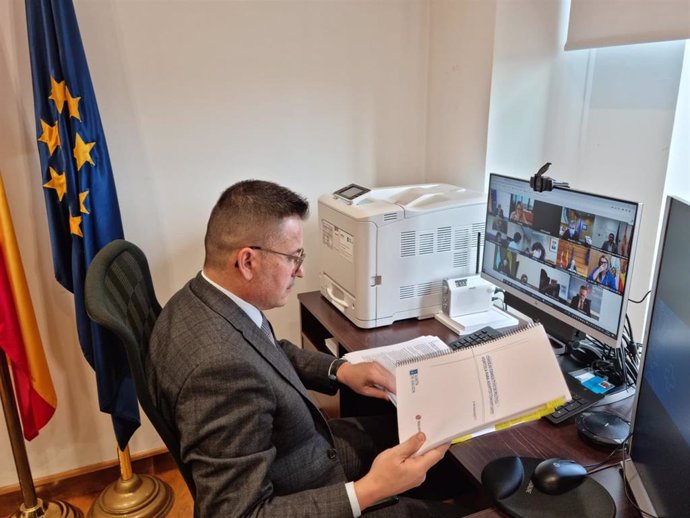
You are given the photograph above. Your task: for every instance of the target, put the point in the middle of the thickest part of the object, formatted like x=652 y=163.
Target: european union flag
x=83 y=212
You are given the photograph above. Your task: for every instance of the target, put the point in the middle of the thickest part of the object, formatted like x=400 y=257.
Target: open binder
x=454 y=394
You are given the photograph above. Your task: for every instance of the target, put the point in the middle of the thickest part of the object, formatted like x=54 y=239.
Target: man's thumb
x=411 y=445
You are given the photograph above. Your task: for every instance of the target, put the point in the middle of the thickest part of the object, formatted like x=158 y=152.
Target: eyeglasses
x=297 y=258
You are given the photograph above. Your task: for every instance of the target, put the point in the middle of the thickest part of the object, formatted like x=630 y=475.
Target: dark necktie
x=266 y=328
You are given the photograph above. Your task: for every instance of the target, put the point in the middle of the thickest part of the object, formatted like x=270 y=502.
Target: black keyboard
x=480 y=336
x=583 y=398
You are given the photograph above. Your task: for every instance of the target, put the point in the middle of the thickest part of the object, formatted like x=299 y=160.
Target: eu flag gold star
x=57 y=93
x=72 y=104
x=58 y=182
x=74 y=225
x=82 y=152
x=82 y=199
x=50 y=135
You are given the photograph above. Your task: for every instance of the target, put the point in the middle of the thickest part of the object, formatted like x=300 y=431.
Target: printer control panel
x=350 y=192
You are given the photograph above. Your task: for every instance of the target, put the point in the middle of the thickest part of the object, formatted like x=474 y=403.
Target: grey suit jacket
x=255 y=442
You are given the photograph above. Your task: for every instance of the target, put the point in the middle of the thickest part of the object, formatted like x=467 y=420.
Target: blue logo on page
x=414 y=380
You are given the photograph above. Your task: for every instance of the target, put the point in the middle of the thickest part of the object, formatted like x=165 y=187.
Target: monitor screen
x=659 y=466
x=567 y=254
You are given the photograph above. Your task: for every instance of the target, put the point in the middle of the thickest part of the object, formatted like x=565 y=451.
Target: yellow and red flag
x=19 y=336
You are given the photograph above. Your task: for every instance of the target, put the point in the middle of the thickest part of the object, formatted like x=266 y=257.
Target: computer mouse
x=556 y=476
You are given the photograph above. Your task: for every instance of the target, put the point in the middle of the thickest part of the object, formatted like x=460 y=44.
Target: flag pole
x=143 y=496
x=33 y=507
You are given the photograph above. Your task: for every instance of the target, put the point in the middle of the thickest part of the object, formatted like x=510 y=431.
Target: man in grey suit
x=253 y=439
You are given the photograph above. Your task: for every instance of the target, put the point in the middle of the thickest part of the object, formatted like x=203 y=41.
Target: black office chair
x=119 y=296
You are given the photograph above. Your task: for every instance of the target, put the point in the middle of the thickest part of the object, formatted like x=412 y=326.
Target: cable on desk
x=601 y=466
x=620 y=364
x=619 y=449
x=604 y=467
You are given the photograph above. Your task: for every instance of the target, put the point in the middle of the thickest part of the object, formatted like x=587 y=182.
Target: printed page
x=471 y=389
x=388 y=356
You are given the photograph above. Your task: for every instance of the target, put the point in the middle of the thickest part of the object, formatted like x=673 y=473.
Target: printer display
x=385 y=252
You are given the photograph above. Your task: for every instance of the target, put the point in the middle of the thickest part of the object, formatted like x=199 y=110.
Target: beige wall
x=461 y=47
x=195 y=95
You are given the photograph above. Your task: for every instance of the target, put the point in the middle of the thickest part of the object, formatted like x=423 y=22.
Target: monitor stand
x=618 y=393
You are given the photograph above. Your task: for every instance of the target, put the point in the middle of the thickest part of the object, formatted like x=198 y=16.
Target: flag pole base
x=141 y=496
x=48 y=509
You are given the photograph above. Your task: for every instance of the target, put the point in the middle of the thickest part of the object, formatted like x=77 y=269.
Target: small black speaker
x=603 y=429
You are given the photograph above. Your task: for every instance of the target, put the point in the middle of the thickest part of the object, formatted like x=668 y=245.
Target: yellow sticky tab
x=533 y=416
x=540 y=412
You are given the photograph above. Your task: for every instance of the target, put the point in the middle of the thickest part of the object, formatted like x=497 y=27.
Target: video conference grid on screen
x=568 y=249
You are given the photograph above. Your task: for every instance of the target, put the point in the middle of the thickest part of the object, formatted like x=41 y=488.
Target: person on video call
x=553 y=288
x=504 y=266
x=571 y=232
x=515 y=242
x=581 y=302
x=499 y=211
x=537 y=251
x=610 y=244
x=602 y=274
x=518 y=215
x=255 y=442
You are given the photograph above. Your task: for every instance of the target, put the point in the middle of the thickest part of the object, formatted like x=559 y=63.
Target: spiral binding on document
x=437 y=354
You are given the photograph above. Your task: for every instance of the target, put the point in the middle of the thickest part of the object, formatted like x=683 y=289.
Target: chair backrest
x=119 y=296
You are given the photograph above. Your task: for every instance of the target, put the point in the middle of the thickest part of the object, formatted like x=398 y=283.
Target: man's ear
x=245 y=263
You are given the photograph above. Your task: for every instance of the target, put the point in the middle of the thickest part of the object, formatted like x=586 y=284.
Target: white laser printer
x=385 y=252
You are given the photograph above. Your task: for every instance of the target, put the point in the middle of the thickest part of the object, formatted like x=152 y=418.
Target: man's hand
x=395 y=470
x=368 y=379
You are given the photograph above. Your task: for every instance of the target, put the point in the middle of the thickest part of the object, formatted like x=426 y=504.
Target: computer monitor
x=567 y=255
x=658 y=469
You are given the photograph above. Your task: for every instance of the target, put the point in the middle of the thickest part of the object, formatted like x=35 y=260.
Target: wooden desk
x=541 y=439
x=321 y=320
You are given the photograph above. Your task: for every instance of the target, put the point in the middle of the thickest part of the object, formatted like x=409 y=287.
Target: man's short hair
x=248 y=213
